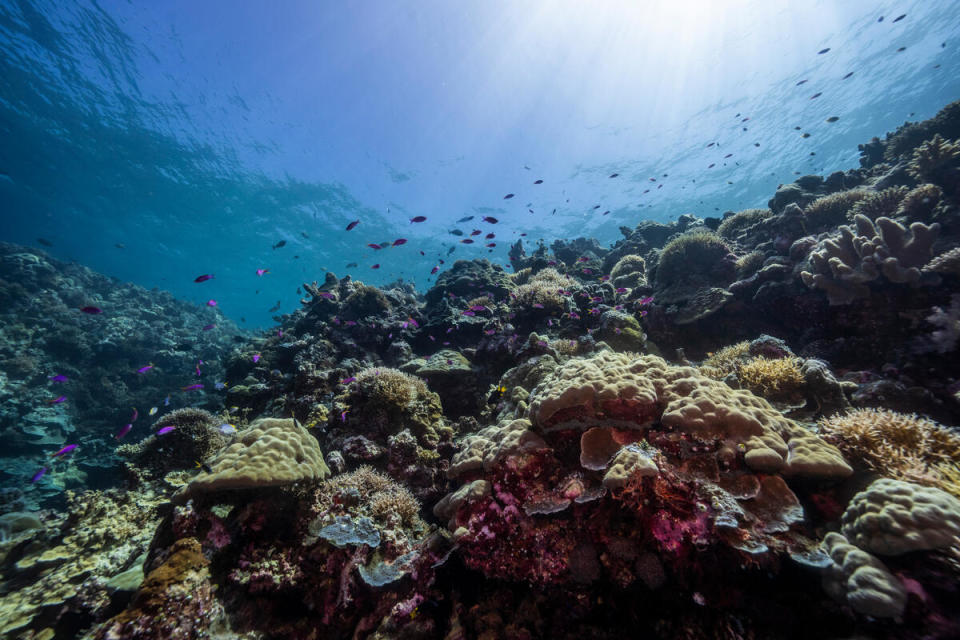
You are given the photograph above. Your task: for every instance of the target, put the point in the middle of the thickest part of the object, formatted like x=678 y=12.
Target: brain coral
x=892 y=517
x=271 y=452
x=615 y=389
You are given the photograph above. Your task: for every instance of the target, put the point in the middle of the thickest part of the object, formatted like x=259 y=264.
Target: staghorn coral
x=895 y=445
x=932 y=157
x=773 y=379
x=733 y=225
x=893 y=517
x=829 y=211
x=842 y=266
x=722 y=363
x=878 y=204
x=699 y=255
x=271 y=452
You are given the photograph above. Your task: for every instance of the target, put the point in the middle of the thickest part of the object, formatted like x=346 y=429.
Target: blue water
x=159 y=141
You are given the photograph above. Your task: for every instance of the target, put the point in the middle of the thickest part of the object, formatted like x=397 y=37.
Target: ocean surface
x=479 y=319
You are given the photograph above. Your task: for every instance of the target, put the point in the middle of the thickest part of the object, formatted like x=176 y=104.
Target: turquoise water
x=198 y=137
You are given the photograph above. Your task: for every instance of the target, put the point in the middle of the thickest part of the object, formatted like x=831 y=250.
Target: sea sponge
x=892 y=517
x=861 y=580
x=630 y=272
x=831 y=210
x=271 y=452
x=895 y=445
x=932 y=157
x=734 y=224
x=699 y=255
x=878 y=203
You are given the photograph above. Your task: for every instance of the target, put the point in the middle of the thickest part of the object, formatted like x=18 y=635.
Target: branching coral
x=896 y=445
x=700 y=255
x=932 y=157
x=725 y=361
x=921 y=202
x=831 y=210
x=877 y=204
x=772 y=378
x=734 y=224
x=543 y=290
x=842 y=266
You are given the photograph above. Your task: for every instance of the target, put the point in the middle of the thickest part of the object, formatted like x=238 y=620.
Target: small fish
x=833 y=119
x=805 y=135
x=165 y=430
x=823 y=51
x=202 y=465
x=899 y=18
x=491 y=245
x=124 y=431
x=91 y=310
x=466 y=241
x=67 y=449
x=219 y=386
x=727 y=156
x=144 y=369
x=39 y=474
x=469 y=313
x=260 y=272
x=398 y=242
x=134 y=415
x=621 y=289
x=711 y=165
x=44 y=242
x=646 y=300
x=57 y=400
x=191 y=387
x=280 y=244
x=538 y=182
x=435 y=269
x=476 y=232
x=351 y=265
x=847 y=76
x=153 y=411
x=418 y=219
x=304 y=234
x=816 y=95
x=375 y=266
x=343 y=415
x=374 y=246
x=208 y=327
x=613 y=175
x=204 y=277
x=537 y=305
x=490 y=219
x=166 y=401
x=120 y=245
x=256 y=357
x=478 y=307
x=59 y=378
x=211 y=303
x=490 y=236
x=227 y=428
x=465 y=219
x=901 y=49
x=457 y=232
x=352 y=225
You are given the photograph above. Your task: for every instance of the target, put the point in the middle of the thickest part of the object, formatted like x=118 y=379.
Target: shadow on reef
x=707 y=430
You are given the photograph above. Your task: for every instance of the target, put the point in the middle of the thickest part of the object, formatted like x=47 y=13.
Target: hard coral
x=829 y=211
x=700 y=255
x=878 y=204
x=543 y=290
x=630 y=271
x=774 y=379
x=933 y=158
x=732 y=225
x=194 y=437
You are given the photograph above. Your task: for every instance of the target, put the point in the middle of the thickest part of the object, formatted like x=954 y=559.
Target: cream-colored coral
x=630 y=271
x=272 y=452
x=631 y=461
x=892 y=517
x=946 y=262
x=544 y=290
x=932 y=156
x=617 y=389
x=447 y=508
x=862 y=580
x=492 y=444
x=732 y=225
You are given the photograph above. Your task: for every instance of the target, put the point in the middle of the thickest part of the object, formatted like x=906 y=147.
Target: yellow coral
x=724 y=362
x=771 y=378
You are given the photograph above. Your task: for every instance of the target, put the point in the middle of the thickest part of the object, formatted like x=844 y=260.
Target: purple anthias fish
x=57 y=400
x=134 y=415
x=59 y=378
x=165 y=430
x=256 y=357
x=348 y=380
x=469 y=313
x=145 y=369
x=124 y=431
x=192 y=387
x=204 y=277
x=211 y=303
x=39 y=474
x=67 y=449
x=91 y=310
x=646 y=300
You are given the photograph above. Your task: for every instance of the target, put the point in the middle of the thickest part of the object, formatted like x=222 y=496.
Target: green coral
x=695 y=255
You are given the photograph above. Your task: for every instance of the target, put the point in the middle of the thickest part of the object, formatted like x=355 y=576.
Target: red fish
x=39 y=474
x=352 y=225
x=260 y=272
x=466 y=241
x=491 y=244
x=375 y=266
x=58 y=378
x=134 y=415
x=490 y=219
x=398 y=242
x=418 y=219
x=375 y=247
x=434 y=270
x=91 y=310
x=204 y=277
x=490 y=236
x=165 y=430
x=209 y=327
x=476 y=232
x=348 y=380
x=124 y=431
